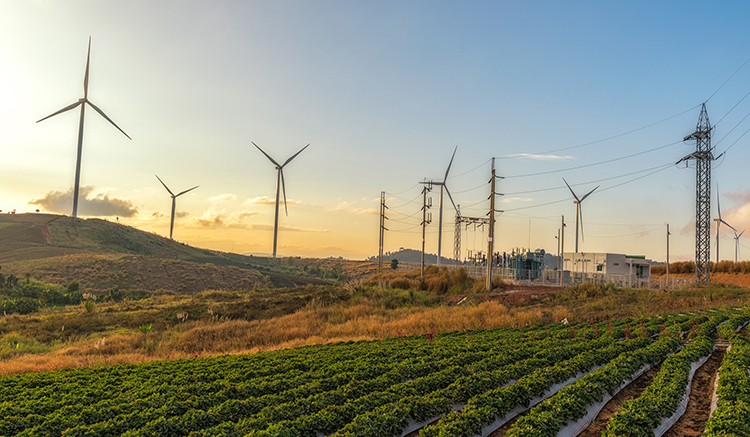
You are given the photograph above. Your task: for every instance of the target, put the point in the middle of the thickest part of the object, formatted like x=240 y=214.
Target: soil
x=632 y=390
x=693 y=422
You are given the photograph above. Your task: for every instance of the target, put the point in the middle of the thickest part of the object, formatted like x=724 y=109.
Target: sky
x=599 y=93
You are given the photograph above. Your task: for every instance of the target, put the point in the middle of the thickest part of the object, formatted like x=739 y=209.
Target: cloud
x=157 y=215
x=181 y=214
x=209 y=219
x=261 y=227
x=226 y=197
x=351 y=209
x=99 y=205
x=739 y=196
x=536 y=157
x=265 y=200
x=214 y=218
x=738 y=215
x=516 y=199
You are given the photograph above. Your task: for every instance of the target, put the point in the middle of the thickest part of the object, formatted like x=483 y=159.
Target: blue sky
x=383 y=92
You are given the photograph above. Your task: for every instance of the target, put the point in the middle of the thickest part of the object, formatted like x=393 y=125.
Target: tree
x=394 y=264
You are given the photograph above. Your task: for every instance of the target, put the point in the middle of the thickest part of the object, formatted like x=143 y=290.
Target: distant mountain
x=411 y=256
x=101 y=254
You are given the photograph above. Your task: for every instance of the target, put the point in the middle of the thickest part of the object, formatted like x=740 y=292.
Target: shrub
x=89 y=305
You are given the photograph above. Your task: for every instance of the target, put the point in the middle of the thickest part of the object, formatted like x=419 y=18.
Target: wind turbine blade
x=571 y=190
x=86 y=76
x=730 y=226
x=445 y=179
x=295 y=155
x=718 y=200
x=187 y=191
x=165 y=185
x=107 y=118
x=283 y=189
x=580 y=218
x=589 y=193
x=450 y=197
x=67 y=108
x=267 y=155
x=743 y=231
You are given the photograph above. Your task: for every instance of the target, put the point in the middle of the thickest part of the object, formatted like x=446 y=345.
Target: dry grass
x=316 y=324
x=316 y=315
x=741 y=267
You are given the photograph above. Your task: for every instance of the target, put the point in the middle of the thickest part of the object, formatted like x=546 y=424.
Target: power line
x=594 y=163
x=730 y=78
x=600 y=191
x=633 y=180
x=402 y=192
x=641 y=233
x=407 y=203
x=735 y=142
x=589 y=182
x=469 y=171
x=608 y=138
x=735 y=105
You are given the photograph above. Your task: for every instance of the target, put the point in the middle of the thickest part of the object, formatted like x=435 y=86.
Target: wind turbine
x=579 y=214
x=279 y=181
x=737 y=244
x=440 y=214
x=719 y=221
x=82 y=103
x=174 y=196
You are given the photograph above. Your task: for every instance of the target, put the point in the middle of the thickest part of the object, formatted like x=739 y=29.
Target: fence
x=552 y=278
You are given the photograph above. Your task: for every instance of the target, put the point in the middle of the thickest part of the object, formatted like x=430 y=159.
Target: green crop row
x=571 y=402
x=327 y=388
x=640 y=416
x=733 y=406
x=482 y=410
x=330 y=411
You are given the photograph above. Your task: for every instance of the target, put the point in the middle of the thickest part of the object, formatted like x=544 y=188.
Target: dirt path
x=632 y=390
x=693 y=422
x=500 y=432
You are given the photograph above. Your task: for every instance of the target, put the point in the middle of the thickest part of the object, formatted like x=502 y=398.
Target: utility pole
x=457 y=237
x=668 y=253
x=491 y=234
x=703 y=156
x=426 y=219
x=383 y=218
x=562 y=249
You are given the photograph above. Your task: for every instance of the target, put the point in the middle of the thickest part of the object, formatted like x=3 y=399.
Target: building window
x=616 y=264
x=599 y=268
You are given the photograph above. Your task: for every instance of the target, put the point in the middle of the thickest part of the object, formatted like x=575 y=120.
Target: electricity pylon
x=703 y=156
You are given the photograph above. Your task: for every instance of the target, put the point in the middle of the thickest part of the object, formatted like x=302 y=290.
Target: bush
x=400 y=283
x=89 y=305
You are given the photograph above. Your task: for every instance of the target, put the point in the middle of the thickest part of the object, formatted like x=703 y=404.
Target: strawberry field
x=536 y=381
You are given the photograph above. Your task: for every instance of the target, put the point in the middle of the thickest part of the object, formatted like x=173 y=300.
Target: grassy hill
x=101 y=254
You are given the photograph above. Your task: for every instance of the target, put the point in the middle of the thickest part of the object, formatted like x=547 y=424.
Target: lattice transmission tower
x=703 y=156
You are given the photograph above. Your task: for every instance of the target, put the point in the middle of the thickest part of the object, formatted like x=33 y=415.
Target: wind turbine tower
x=279 y=182
x=440 y=204
x=174 y=196
x=579 y=214
x=82 y=103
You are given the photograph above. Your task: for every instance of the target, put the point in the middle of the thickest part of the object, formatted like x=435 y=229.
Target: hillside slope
x=101 y=254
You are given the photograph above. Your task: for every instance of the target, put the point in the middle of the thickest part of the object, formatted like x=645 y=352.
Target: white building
x=588 y=263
